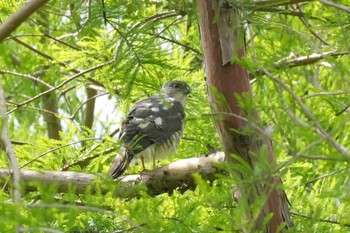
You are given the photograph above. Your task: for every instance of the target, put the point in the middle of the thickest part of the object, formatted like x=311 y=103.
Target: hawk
x=153 y=128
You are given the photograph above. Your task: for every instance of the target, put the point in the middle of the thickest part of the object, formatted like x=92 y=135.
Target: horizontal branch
x=176 y=175
x=309 y=59
x=274 y=3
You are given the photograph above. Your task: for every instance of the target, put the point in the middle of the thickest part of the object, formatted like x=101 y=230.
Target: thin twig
x=322 y=157
x=57 y=148
x=62 y=42
x=325 y=176
x=39 y=110
x=342 y=111
x=34 y=50
x=60 y=85
x=274 y=3
x=319 y=129
x=321 y=220
x=58 y=40
x=155 y=18
x=326 y=94
x=308 y=26
x=82 y=105
x=26 y=76
x=65 y=65
x=82 y=162
x=337 y=6
x=178 y=43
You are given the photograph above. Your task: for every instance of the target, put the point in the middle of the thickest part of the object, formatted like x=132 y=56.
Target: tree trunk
x=223 y=41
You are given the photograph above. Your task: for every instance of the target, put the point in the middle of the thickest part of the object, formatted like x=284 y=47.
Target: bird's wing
x=152 y=120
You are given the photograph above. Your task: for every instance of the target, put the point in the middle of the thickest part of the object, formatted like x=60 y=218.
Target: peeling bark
x=175 y=176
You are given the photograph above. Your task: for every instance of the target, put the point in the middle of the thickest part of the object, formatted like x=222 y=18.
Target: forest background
x=71 y=71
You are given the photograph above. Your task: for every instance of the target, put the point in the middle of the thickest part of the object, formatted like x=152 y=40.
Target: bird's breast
x=162 y=149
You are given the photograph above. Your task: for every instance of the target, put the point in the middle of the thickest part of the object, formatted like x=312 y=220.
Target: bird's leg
x=143 y=163
x=154 y=161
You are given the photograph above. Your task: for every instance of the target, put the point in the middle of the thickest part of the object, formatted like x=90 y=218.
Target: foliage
x=140 y=45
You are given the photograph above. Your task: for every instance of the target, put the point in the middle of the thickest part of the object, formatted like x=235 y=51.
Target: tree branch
x=176 y=175
x=5 y=141
x=18 y=17
x=35 y=79
x=337 y=6
x=320 y=220
x=309 y=59
x=274 y=3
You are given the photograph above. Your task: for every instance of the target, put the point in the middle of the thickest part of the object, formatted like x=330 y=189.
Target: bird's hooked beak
x=187 y=91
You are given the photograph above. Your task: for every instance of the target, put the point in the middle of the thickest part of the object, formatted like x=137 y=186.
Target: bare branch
x=320 y=220
x=309 y=59
x=337 y=6
x=274 y=3
x=26 y=76
x=322 y=157
x=57 y=148
x=324 y=93
x=177 y=175
x=8 y=146
x=18 y=17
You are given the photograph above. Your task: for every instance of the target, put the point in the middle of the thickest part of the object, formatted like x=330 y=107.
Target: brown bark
x=222 y=41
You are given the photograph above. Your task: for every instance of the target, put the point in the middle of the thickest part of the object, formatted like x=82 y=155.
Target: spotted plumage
x=153 y=127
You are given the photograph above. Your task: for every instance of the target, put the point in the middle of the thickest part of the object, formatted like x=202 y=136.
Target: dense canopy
x=72 y=69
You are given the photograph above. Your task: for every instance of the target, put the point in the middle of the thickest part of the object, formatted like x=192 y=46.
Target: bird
x=153 y=128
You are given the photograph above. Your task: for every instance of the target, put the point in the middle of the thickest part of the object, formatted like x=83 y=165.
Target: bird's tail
x=120 y=164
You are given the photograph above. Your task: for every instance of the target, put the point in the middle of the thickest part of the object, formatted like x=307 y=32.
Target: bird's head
x=177 y=90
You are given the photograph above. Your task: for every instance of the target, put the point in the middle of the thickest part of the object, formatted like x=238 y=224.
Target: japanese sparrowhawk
x=153 y=127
